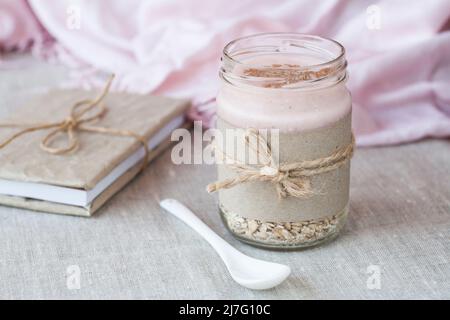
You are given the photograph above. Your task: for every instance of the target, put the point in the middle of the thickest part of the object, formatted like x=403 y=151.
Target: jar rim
x=333 y=54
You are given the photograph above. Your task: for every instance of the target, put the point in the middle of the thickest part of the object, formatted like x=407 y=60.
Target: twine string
x=78 y=120
x=290 y=179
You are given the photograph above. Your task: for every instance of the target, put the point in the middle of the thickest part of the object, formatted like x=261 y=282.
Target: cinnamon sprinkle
x=289 y=74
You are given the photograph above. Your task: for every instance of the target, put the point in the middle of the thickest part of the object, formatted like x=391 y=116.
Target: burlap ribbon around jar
x=290 y=179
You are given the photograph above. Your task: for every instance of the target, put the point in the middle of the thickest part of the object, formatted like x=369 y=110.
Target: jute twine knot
x=78 y=120
x=290 y=179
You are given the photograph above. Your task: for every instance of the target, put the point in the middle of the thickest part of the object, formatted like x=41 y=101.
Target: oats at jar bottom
x=286 y=233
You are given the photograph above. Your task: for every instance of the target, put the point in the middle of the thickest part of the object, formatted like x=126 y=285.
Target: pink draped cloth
x=398 y=51
x=19 y=28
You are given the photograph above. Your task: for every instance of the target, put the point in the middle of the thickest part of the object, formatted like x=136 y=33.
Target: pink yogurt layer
x=287 y=109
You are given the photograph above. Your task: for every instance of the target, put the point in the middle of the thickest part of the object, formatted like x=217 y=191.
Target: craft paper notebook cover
x=81 y=181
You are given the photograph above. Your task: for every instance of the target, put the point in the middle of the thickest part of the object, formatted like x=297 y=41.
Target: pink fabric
x=399 y=73
x=19 y=29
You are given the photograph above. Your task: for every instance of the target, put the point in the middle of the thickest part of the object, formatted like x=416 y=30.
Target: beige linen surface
x=399 y=223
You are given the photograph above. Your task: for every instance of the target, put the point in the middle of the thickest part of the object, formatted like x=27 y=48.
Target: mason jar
x=291 y=87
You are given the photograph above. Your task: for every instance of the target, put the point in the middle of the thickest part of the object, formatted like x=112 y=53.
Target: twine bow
x=290 y=179
x=78 y=120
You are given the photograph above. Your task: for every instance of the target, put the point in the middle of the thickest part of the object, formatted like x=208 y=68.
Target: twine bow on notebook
x=290 y=179
x=78 y=120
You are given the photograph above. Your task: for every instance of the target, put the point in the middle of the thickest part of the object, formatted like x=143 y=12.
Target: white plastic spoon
x=247 y=271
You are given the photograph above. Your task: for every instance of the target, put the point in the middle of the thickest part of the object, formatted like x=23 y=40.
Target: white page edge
x=78 y=197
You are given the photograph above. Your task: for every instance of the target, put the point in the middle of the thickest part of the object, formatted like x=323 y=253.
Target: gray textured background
x=399 y=221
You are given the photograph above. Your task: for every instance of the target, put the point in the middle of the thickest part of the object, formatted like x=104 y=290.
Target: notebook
x=80 y=182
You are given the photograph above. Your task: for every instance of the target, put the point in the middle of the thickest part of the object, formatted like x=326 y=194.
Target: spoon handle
x=187 y=216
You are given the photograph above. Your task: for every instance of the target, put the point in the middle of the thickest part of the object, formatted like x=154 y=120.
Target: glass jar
x=292 y=86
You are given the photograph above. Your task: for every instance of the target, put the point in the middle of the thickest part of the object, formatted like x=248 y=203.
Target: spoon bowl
x=247 y=271
x=256 y=274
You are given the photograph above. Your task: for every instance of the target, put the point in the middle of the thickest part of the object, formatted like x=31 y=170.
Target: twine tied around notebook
x=78 y=120
x=290 y=179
